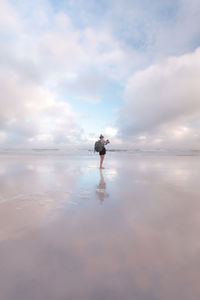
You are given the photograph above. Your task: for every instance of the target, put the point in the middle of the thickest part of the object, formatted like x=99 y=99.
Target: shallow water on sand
x=71 y=231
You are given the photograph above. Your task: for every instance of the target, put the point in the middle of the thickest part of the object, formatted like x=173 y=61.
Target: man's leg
x=101 y=161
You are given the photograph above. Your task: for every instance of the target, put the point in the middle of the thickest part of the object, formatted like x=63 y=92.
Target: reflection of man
x=101 y=188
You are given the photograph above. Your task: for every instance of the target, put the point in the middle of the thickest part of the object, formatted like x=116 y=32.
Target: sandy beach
x=71 y=231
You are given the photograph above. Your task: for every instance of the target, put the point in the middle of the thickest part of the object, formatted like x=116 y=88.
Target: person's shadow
x=101 y=188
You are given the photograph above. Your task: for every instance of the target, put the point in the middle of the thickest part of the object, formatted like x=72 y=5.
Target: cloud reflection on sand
x=30 y=192
x=143 y=243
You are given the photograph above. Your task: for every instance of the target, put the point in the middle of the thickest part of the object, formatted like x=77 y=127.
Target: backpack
x=98 y=146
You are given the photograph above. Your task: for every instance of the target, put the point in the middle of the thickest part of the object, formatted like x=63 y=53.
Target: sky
x=71 y=70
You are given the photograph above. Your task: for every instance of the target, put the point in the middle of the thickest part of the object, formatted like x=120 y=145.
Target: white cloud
x=34 y=61
x=155 y=27
x=44 y=57
x=164 y=100
x=30 y=113
x=111 y=131
x=8 y=18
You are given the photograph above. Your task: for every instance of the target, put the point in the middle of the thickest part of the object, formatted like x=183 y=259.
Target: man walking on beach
x=102 y=153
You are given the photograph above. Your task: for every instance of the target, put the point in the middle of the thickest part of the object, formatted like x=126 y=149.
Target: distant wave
x=45 y=149
x=82 y=152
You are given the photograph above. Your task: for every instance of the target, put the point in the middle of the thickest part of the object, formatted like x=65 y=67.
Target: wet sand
x=71 y=231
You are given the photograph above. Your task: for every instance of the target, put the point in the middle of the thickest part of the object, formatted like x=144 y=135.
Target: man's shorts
x=103 y=151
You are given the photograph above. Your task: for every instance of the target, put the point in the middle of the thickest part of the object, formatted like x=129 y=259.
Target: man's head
x=101 y=137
